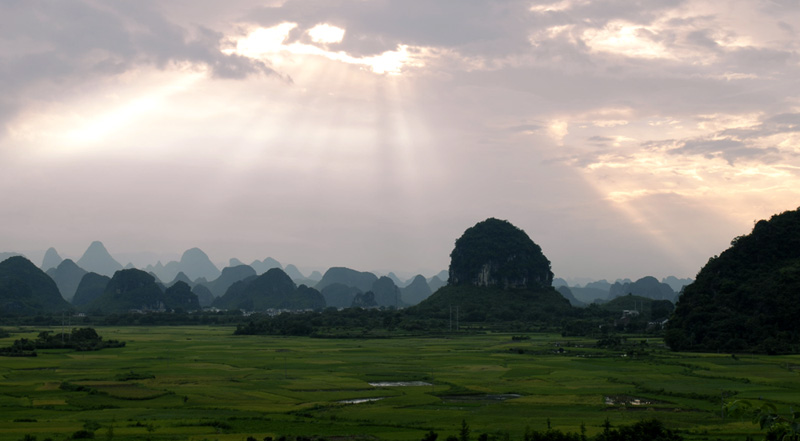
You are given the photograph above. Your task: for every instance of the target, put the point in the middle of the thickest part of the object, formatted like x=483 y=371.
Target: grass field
x=198 y=383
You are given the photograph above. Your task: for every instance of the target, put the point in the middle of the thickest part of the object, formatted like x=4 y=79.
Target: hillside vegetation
x=747 y=298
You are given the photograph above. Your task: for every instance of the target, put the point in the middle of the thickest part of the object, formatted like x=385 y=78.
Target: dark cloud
x=472 y=26
x=781 y=123
x=729 y=149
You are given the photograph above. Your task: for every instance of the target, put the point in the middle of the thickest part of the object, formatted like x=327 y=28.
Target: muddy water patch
x=360 y=400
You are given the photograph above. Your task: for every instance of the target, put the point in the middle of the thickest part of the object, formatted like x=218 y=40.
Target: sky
x=627 y=138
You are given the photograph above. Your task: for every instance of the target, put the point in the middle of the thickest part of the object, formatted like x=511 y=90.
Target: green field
x=197 y=383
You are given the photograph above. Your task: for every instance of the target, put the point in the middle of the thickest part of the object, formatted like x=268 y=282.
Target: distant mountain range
x=602 y=291
x=339 y=287
x=86 y=283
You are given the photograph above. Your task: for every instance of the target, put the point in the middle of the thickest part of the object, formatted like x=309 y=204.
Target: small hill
x=748 y=297
x=271 y=290
x=51 y=259
x=481 y=304
x=91 y=287
x=496 y=253
x=96 y=259
x=416 y=291
x=67 y=276
x=348 y=277
x=130 y=289
x=25 y=289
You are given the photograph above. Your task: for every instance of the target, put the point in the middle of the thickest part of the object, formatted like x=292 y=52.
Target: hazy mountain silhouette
x=338 y=295
x=67 y=276
x=91 y=287
x=195 y=263
x=262 y=266
x=96 y=259
x=567 y=293
x=228 y=277
x=436 y=282
x=647 y=286
x=315 y=275
x=416 y=291
x=26 y=290
x=346 y=276
x=159 y=271
x=396 y=280
x=51 y=259
x=235 y=262
x=293 y=272
x=203 y=294
x=181 y=277
x=603 y=285
x=675 y=283
x=4 y=255
x=386 y=292
x=558 y=281
x=299 y=278
x=271 y=290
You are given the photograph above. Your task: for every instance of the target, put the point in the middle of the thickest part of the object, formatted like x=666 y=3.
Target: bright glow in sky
x=325 y=33
x=270 y=44
x=626 y=139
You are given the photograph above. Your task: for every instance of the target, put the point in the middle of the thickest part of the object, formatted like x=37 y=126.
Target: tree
x=463 y=434
x=430 y=436
x=778 y=427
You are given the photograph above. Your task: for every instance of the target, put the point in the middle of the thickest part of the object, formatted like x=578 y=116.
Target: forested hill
x=747 y=298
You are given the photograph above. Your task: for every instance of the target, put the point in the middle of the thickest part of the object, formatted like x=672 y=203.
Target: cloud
x=50 y=49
